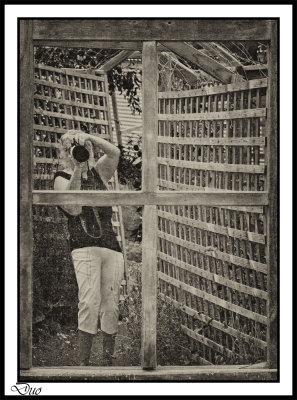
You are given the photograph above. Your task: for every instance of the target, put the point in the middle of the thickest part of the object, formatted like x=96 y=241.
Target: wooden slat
x=243 y=141
x=66 y=87
x=25 y=175
x=209 y=116
x=71 y=117
x=72 y=71
x=240 y=234
x=40 y=143
x=213 y=252
x=209 y=90
x=99 y=198
x=149 y=184
x=150 y=29
x=208 y=342
x=216 y=324
x=68 y=102
x=213 y=299
x=213 y=277
x=272 y=209
x=211 y=166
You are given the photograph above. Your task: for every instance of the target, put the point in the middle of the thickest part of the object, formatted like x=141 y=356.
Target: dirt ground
x=62 y=349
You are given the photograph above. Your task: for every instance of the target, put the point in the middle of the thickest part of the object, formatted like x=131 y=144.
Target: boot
x=108 y=348
x=85 y=340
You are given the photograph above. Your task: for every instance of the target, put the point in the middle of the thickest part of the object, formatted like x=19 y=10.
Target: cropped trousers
x=99 y=273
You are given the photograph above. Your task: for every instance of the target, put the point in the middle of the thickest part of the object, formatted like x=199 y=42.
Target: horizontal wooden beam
x=212 y=90
x=91 y=44
x=212 y=166
x=202 y=141
x=209 y=116
x=204 y=62
x=102 y=198
x=171 y=373
x=150 y=29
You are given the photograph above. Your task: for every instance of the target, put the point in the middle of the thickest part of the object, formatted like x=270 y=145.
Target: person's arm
x=73 y=184
x=107 y=164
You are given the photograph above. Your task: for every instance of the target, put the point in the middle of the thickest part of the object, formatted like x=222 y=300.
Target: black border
x=294 y=31
x=18 y=288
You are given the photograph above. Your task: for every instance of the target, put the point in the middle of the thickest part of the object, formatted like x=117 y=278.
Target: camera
x=79 y=153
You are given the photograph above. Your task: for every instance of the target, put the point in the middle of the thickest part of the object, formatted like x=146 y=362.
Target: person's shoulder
x=64 y=174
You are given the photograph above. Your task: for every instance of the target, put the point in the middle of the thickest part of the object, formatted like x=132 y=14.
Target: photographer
x=95 y=251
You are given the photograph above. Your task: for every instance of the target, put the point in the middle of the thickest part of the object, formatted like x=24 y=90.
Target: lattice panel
x=212 y=260
x=213 y=137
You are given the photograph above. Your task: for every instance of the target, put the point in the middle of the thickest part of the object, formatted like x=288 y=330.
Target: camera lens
x=80 y=153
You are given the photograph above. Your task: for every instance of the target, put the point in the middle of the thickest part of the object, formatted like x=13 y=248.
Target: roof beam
x=204 y=62
x=91 y=44
x=122 y=29
x=117 y=59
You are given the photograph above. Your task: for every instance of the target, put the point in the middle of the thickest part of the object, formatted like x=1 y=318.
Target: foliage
x=129 y=168
x=90 y=59
x=126 y=82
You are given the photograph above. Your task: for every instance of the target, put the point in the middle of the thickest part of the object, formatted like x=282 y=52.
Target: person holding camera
x=96 y=254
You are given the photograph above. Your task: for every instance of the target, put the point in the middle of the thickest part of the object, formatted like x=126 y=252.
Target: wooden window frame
x=108 y=33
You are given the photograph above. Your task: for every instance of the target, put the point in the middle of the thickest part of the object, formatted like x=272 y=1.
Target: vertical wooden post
x=25 y=173
x=272 y=208
x=149 y=184
x=116 y=118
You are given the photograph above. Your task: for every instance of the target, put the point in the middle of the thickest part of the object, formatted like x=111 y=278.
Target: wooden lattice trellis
x=67 y=99
x=212 y=260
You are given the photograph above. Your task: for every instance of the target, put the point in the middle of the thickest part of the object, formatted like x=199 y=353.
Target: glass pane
x=70 y=96
x=212 y=298
x=86 y=288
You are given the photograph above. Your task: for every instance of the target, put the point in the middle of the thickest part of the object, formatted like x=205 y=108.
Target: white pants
x=99 y=273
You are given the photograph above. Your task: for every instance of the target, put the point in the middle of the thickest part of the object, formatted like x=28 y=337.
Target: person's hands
x=82 y=137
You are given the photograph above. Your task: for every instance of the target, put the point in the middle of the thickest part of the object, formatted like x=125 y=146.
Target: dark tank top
x=78 y=237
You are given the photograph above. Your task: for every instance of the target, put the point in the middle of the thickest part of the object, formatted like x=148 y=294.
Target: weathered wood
x=149 y=289
x=208 y=342
x=72 y=117
x=213 y=299
x=216 y=324
x=219 y=89
x=67 y=102
x=150 y=112
x=214 y=252
x=212 y=166
x=67 y=87
x=149 y=184
x=183 y=373
x=213 y=277
x=209 y=116
x=90 y=44
x=117 y=59
x=150 y=29
x=25 y=175
x=244 y=141
x=204 y=62
x=272 y=208
x=223 y=230
x=116 y=119
x=99 y=198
